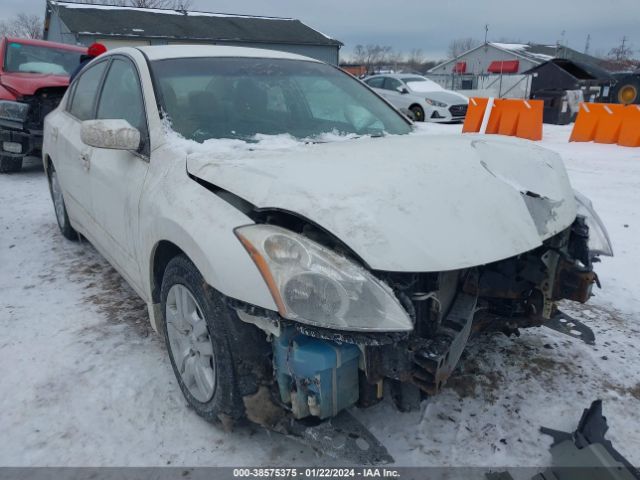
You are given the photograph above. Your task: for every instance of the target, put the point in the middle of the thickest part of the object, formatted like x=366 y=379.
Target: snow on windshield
x=231 y=147
x=423 y=85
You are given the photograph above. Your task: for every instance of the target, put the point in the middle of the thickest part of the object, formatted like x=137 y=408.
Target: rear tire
x=59 y=206
x=418 y=112
x=10 y=164
x=196 y=330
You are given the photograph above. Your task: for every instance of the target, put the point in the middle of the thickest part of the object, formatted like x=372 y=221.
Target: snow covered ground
x=84 y=381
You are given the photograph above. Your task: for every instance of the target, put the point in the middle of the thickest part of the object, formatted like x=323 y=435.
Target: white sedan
x=427 y=100
x=292 y=248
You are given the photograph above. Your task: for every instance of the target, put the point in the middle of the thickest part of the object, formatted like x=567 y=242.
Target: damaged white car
x=296 y=253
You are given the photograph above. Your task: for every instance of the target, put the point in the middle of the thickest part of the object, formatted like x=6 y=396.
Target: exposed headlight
x=599 y=242
x=314 y=285
x=435 y=103
x=14 y=111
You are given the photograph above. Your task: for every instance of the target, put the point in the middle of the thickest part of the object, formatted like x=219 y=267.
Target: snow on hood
x=403 y=203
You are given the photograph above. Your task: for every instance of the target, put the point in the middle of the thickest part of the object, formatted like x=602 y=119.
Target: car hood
x=445 y=96
x=29 y=83
x=412 y=202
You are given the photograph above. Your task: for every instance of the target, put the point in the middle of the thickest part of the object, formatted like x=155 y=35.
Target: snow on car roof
x=161 y=52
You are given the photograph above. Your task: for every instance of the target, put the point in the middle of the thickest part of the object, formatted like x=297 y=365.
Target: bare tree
x=371 y=56
x=622 y=52
x=416 y=60
x=22 y=26
x=183 y=5
x=461 y=45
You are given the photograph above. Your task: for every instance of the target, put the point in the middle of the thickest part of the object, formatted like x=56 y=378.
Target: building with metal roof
x=508 y=58
x=115 y=26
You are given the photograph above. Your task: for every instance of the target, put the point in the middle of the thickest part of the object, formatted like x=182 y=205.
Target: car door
x=71 y=157
x=117 y=176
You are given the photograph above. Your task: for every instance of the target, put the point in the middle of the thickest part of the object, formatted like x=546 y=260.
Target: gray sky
x=430 y=26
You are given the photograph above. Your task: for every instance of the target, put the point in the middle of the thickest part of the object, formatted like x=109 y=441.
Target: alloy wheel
x=190 y=343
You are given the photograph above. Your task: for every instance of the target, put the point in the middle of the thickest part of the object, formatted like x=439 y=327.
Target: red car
x=34 y=75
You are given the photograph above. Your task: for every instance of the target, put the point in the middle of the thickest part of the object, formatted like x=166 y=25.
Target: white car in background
x=427 y=100
x=293 y=250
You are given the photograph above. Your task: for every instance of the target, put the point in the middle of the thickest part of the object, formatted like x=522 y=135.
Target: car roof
x=161 y=52
x=47 y=44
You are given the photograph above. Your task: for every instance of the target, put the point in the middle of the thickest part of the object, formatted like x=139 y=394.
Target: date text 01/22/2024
x=315 y=473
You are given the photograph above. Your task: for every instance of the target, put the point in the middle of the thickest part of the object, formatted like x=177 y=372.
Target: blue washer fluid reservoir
x=316 y=377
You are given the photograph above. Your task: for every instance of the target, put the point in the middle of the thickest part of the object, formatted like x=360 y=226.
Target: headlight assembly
x=599 y=242
x=314 y=285
x=14 y=111
x=435 y=103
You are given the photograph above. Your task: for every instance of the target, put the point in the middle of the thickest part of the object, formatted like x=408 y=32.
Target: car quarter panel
x=177 y=209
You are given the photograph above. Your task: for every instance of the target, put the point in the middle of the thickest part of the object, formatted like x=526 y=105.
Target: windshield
x=37 y=59
x=421 y=84
x=207 y=98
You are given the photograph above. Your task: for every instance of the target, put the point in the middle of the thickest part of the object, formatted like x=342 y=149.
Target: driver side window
x=392 y=84
x=121 y=96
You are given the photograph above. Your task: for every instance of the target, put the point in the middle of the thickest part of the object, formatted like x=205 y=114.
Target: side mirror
x=402 y=90
x=112 y=134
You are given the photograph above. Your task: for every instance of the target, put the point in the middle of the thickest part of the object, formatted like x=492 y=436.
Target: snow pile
x=511 y=46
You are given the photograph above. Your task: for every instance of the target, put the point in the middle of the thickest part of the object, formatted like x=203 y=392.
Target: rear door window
x=86 y=91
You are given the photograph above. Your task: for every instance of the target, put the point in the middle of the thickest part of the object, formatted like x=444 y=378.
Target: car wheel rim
x=58 y=201
x=190 y=343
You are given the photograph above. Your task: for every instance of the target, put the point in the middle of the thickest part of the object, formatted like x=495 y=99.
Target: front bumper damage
x=21 y=136
x=584 y=454
x=317 y=374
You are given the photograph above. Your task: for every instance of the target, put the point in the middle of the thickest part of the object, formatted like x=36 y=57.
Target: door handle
x=85 y=158
x=54 y=133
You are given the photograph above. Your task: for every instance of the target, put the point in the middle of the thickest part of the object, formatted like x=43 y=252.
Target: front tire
x=10 y=164
x=196 y=330
x=59 y=206
x=418 y=112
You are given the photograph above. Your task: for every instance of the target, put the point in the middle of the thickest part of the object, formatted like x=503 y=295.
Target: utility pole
x=588 y=44
x=623 y=51
x=560 y=45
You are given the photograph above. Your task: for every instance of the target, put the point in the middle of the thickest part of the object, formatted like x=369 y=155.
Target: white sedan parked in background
x=296 y=241
x=425 y=98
